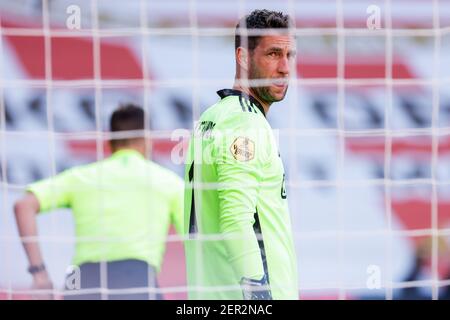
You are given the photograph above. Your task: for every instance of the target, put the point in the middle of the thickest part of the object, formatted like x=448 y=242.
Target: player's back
x=134 y=198
x=121 y=205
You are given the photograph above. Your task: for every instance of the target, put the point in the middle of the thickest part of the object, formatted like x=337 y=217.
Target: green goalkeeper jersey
x=236 y=212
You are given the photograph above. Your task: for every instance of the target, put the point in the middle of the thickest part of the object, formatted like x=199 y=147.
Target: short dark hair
x=126 y=117
x=260 y=19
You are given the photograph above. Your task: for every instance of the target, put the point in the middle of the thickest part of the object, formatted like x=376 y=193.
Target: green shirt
x=122 y=207
x=236 y=210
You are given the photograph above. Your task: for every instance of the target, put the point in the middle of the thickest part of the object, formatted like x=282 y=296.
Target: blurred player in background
x=235 y=177
x=122 y=207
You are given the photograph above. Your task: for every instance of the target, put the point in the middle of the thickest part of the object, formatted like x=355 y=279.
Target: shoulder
x=62 y=181
x=233 y=112
x=84 y=169
x=164 y=175
x=165 y=182
x=85 y=172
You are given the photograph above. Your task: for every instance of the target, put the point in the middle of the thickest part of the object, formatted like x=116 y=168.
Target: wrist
x=37 y=269
x=256 y=289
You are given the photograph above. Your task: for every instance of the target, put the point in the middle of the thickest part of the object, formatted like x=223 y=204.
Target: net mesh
x=364 y=131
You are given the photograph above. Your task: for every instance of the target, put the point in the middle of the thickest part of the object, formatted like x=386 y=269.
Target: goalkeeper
x=122 y=207
x=235 y=177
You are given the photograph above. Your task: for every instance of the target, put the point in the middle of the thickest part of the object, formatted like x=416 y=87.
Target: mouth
x=280 y=83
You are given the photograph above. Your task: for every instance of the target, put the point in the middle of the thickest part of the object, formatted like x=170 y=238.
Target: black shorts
x=123 y=274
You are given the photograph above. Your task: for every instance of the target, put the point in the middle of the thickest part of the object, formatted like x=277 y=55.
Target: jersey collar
x=233 y=92
x=127 y=152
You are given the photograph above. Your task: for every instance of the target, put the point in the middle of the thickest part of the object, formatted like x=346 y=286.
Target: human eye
x=273 y=54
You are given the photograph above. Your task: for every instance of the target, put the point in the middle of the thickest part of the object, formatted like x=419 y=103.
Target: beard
x=264 y=92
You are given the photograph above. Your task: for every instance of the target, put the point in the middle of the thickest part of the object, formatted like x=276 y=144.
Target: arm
x=42 y=196
x=177 y=205
x=238 y=190
x=25 y=211
x=240 y=156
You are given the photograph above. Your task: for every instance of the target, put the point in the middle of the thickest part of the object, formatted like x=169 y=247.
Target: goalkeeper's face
x=271 y=63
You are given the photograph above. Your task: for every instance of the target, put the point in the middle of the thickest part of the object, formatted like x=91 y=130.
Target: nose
x=283 y=66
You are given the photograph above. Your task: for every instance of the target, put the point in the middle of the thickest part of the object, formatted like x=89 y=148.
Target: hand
x=41 y=281
x=256 y=289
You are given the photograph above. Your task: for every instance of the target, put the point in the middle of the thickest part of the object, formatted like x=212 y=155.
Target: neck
x=250 y=92
x=139 y=149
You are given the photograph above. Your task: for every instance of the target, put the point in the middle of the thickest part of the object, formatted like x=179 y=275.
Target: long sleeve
x=239 y=155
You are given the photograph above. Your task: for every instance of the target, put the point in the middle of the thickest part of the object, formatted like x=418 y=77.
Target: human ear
x=242 y=58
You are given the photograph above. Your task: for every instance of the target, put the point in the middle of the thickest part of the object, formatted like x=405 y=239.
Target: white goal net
x=364 y=131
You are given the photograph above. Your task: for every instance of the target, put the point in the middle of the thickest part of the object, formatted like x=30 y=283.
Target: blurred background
x=364 y=132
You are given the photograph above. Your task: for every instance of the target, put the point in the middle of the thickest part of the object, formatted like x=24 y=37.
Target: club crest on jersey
x=243 y=149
